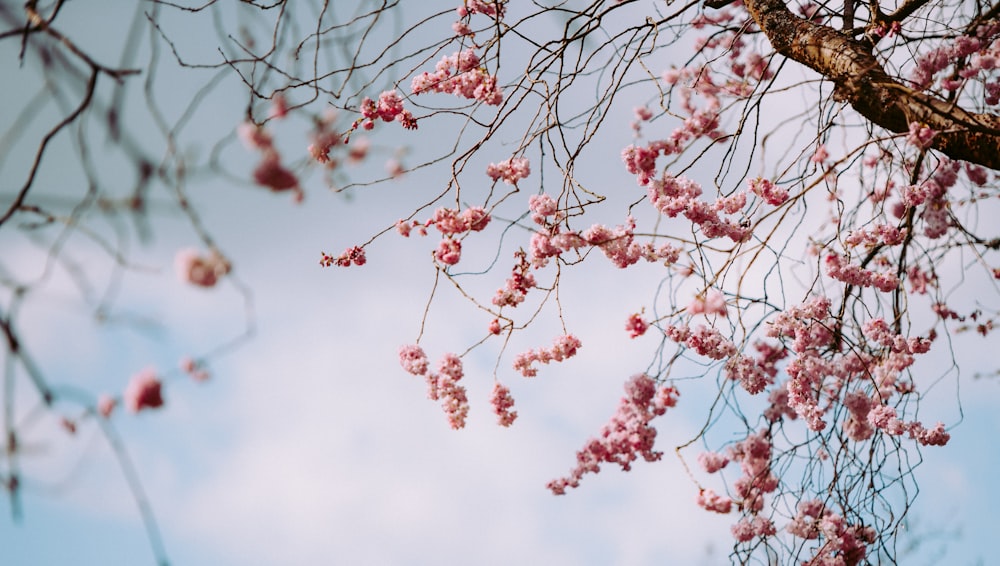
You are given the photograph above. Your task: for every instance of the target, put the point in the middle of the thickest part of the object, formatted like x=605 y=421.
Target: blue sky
x=310 y=444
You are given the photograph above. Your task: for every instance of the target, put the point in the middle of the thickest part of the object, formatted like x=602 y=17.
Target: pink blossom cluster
x=877 y=330
x=388 y=108
x=712 y=302
x=641 y=160
x=452 y=222
x=413 y=359
x=754 y=455
x=806 y=374
x=324 y=139
x=935 y=188
x=748 y=528
x=642 y=114
x=711 y=501
x=674 y=195
x=541 y=207
x=563 y=347
x=703 y=340
x=771 y=193
x=840 y=269
x=269 y=172
x=919 y=279
x=880 y=235
x=920 y=135
x=517 y=285
x=844 y=543
x=617 y=244
x=449 y=251
x=200 y=270
x=352 y=256
x=636 y=326
x=502 y=404
x=805 y=324
x=510 y=170
x=461 y=28
x=144 y=391
x=748 y=373
x=856 y=425
x=976 y=173
x=449 y=222
x=805 y=524
x=748 y=67
x=712 y=462
x=936 y=219
x=978 y=54
x=441 y=386
x=820 y=155
x=461 y=75
x=885 y=418
x=627 y=435
x=492 y=8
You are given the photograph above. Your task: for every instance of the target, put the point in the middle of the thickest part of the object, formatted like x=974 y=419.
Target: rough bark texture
x=861 y=81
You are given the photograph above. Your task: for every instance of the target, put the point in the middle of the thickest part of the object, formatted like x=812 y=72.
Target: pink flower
x=272 y=174
x=636 y=326
x=494 y=327
x=821 y=155
x=932 y=437
x=353 y=255
x=564 y=347
x=454 y=401
x=502 y=404
x=712 y=302
x=450 y=366
x=143 y=391
x=642 y=113
x=413 y=359
x=711 y=501
x=541 y=206
x=920 y=135
x=712 y=462
x=511 y=170
x=626 y=436
x=745 y=530
x=771 y=193
x=449 y=251
x=203 y=271
x=460 y=74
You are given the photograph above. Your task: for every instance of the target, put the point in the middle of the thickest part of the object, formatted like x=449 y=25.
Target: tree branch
x=861 y=81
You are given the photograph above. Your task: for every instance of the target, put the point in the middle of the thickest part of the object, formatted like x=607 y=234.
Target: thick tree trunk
x=860 y=80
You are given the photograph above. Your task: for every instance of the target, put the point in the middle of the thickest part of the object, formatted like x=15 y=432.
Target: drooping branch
x=861 y=81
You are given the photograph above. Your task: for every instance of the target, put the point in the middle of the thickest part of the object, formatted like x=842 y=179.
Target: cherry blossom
x=627 y=436
x=502 y=404
x=200 y=270
x=143 y=391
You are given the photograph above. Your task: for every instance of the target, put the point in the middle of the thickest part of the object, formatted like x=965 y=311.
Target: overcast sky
x=309 y=444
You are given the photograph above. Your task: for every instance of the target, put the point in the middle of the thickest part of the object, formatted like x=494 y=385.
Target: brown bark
x=860 y=80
